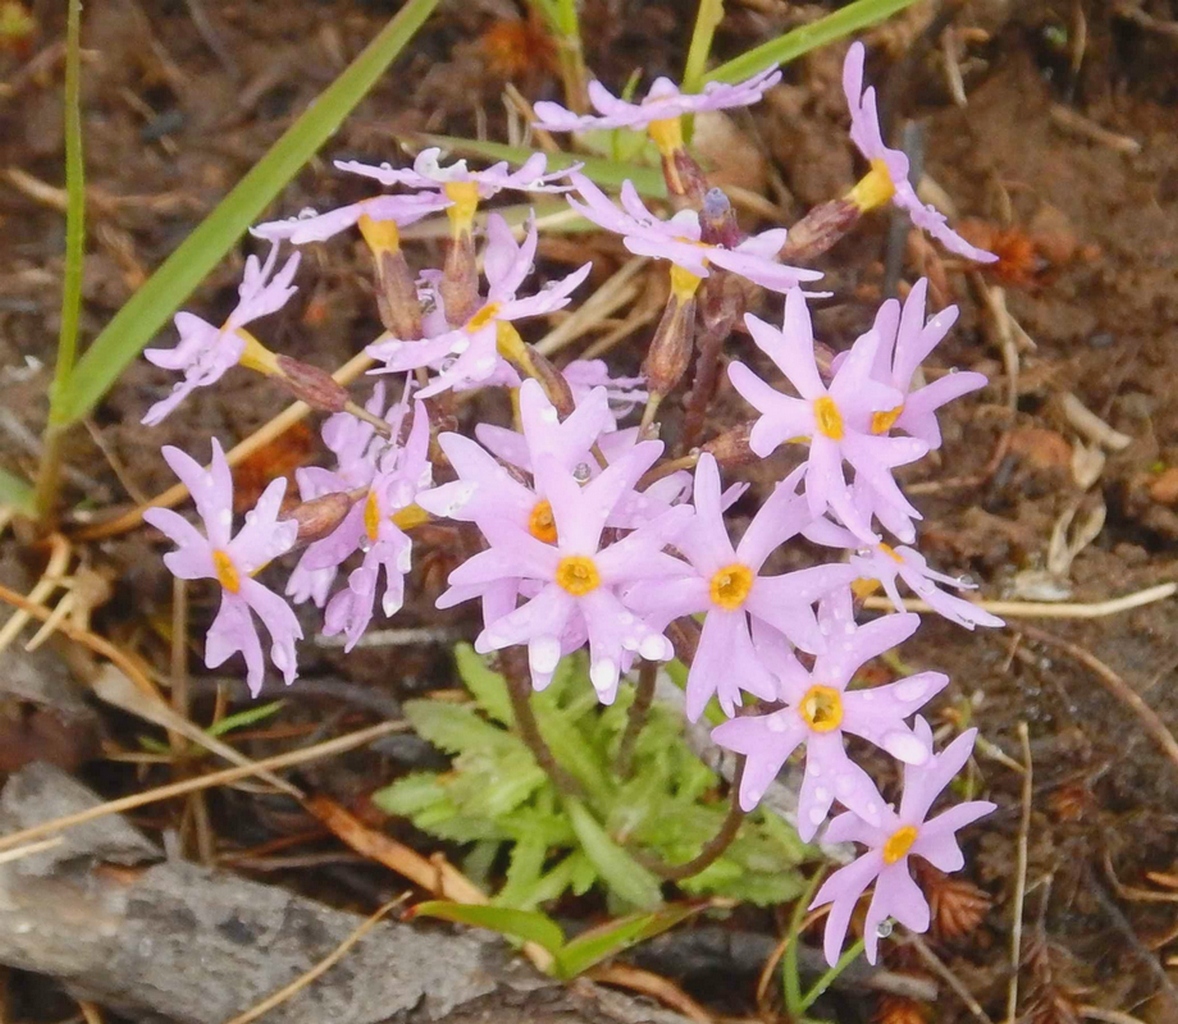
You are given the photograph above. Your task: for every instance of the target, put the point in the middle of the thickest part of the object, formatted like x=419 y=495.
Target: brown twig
x=1020 y=881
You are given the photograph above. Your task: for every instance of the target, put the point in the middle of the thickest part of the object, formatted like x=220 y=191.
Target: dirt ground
x=1062 y=160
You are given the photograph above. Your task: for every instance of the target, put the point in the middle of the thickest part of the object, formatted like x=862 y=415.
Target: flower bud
x=731 y=448
x=319 y=516
x=396 y=296
x=459 y=287
x=312 y=385
x=821 y=228
x=671 y=347
x=717 y=220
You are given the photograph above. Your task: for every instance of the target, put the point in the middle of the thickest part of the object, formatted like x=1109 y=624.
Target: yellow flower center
x=483 y=317
x=822 y=708
x=372 y=516
x=683 y=282
x=409 y=517
x=226 y=571
x=255 y=356
x=874 y=189
x=465 y=198
x=541 y=525
x=731 y=585
x=381 y=235
x=863 y=588
x=890 y=551
x=667 y=135
x=899 y=843
x=881 y=422
x=828 y=418
x=578 y=575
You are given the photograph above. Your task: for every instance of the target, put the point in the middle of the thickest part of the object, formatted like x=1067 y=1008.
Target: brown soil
x=1088 y=230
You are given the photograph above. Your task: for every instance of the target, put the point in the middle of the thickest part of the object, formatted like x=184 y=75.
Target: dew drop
x=544 y=653
x=776 y=723
x=654 y=648
x=603 y=673
x=912 y=688
x=582 y=472
x=817 y=815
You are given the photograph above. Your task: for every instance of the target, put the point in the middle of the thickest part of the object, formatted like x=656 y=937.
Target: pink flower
x=678 y=239
x=905 y=342
x=205 y=352
x=428 y=174
x=468 y=356
x=663 y=102
x=820 y=709
x=836 y=420
x=740 y=604
x=232 y=562
x=891 y=841
x=888 y=564
x=310 y=226
x=573 y=580
x=625 y=393
x=398 y=473
x=889 y=167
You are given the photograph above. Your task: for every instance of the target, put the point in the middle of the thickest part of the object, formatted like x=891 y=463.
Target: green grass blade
x=707 y=17
x=250 y=716
x=606 y=173
x=149 y=309
x=528 y=925
x=805 y=38
x=591 y=947
x=621 y=873
x=16 y=494
x=75 y=213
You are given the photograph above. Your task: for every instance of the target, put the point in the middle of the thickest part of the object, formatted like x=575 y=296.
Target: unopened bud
x=684 y=635
x=312 y=385
x=670 y=349
x=717 y=220
x=530 y=363
x=319 y=516
x=396 y=296
x=459 y=287
x=821 y=228
x=693 y=183
x=731 y=448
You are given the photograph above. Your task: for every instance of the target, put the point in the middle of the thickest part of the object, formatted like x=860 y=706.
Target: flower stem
x=514 y=663
x=715 y=847
x=636 y=719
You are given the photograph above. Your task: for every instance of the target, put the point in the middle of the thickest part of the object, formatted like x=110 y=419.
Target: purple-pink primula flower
x=574 y=581
x=820 y=710
x=888 y=178
x=205 y=351
x=625 y=393
x=739 y=603
x=836 y=420
x=905 y=341
x=888 y=565
x=232 y=561
x=310 y=226
x=678 y=239
x=664 y=101
x=891 y=841
x=468 y=356
x=375 y=526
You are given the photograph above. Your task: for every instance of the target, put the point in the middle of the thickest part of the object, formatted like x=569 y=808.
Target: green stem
x=49 y=471
x=828 y=979
x=791 y=982
x=707 y=17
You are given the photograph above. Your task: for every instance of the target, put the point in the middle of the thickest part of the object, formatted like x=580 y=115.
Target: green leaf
x=708 y=16
x=528 y=925
x=621 y=872
x=241 y=719
x=410 y=795
x=606 y=173
x=458 y=729
x=488 y=686
x=149 y=308
x=784 y=48
x=492 y=785
x=597 y=944
x=16 y=494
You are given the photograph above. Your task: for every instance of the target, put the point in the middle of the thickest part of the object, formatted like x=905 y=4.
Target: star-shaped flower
x=726 y=584
x=836 y=420
x=890 y=841
x=232 y=561
x=678 y=239
x=889 y=167
x=310 y=226
x=205 y=352
x=820 y=709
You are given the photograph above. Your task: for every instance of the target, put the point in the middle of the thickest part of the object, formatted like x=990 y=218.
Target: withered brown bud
x=319 y=516
x=670 y=348
x=731 y=448
x=689 y=176
x=684 y=635
x=396 y=296
x=553 y=382
x=819 y=230
x=314 y=386
x=460 y=280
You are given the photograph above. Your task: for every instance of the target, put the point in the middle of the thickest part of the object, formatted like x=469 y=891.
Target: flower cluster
x=575 y=531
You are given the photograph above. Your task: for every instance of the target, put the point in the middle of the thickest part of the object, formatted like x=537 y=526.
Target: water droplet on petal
x=884 y=928
x=912 y=688
x=582 y=472
x=822 y=794
x=603 y=673
x=776 y=723
x=655 y=648
x=544 y=653
x=905 y=747
x=817 y=815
